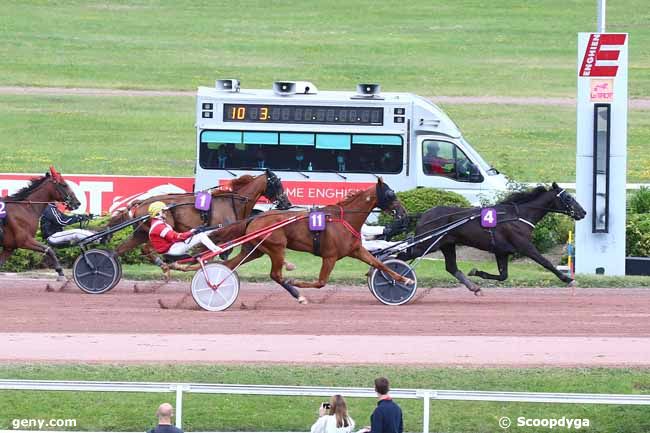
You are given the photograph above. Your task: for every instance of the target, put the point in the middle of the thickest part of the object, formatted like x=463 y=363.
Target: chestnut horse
x=227 y=207
x=339 y=239
x=23 y=210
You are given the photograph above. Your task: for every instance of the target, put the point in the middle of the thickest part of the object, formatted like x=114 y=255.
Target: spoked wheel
x=221 y=297
x=96 y=271
x=386 y=289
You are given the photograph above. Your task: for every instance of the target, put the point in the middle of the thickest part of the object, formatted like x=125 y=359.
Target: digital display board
x=261 y=113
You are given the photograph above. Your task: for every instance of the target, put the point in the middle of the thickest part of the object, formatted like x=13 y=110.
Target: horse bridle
x=565 y=201
x=273 y=186
x=67 y=197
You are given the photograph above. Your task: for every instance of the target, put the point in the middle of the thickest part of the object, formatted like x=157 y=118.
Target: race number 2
x=488 y=217
x=203 y=200
x=3 y=210
x=317 y=221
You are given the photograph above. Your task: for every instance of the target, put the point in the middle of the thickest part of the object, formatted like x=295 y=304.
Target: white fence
x=425 y=394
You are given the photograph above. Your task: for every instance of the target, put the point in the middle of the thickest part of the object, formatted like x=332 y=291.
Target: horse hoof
x=478 y=292
x=289 y=266
x=60 y=278
x=472 y=273
x=136 y=289
x=302 y=300
x=572 y=283
x=48 y=288
x=408 y=281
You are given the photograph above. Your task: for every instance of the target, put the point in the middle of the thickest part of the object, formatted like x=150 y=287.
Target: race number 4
x=317 y=221
x=203 y=201
x=488 y=217
x=3 y=210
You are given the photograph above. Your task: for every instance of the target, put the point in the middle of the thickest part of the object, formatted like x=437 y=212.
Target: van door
x=443 y=163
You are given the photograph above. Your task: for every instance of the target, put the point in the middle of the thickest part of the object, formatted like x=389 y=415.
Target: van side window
x=443 y=158
x=302 y=151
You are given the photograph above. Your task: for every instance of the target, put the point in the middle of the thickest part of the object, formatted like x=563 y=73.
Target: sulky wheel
x=96 y=271
x=389 y=291
x=226 y=289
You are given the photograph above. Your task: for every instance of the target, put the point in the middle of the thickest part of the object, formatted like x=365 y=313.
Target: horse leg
x=327 y=265
x=4 y=255
x=277 y=261
x=529 y=250
x=136 y=239
x=449 y=251
x=362 y=254
x=502 y=263
x=34 y=245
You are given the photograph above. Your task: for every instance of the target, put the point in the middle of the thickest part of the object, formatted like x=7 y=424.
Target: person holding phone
x=333 y=417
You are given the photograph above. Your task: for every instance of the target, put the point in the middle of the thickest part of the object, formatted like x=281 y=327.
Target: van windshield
x=477 y=158
x=300 y=151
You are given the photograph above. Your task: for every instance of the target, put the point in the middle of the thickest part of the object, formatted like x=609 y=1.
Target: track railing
x=425 y=394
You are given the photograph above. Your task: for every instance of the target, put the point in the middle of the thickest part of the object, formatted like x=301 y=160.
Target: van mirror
x=475 y=175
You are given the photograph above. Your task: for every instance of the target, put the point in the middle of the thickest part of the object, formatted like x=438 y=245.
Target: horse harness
x=316 y=234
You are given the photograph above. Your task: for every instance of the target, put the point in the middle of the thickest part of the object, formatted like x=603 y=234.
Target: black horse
x=516 y=217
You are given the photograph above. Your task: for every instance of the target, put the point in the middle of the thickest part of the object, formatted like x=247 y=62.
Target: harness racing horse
x=340 y=237
x=516 y=217
x=227 y=207
x=23 y=211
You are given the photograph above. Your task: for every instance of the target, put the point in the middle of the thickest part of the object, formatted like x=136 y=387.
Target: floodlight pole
x=602 y=6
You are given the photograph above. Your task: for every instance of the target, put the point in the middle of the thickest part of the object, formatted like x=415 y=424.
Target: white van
x=325 y=144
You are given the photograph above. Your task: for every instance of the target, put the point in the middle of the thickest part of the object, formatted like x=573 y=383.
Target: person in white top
x=333 y=417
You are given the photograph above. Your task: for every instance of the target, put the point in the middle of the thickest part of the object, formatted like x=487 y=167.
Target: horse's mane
x=24 y=192
x=241 y=181
x=524 y=196
x=350 y=197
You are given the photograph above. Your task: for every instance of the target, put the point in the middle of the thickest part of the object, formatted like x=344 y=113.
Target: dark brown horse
x=340 y=238
x=516 y=216
x=227 y=207
x=23 y=210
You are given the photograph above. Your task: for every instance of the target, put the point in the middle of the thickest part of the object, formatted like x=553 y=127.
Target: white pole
x=602 y=6
x=179 y=405
x=425 y=412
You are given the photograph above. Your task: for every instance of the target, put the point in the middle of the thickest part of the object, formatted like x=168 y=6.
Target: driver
x=166 y=241
x=435 y=164
x=53 y=221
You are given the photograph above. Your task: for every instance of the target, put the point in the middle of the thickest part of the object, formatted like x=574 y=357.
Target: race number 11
x=488 y=217
x=3 y=210
x=317 y=221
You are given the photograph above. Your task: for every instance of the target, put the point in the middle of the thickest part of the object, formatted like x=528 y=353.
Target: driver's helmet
x=156 y=209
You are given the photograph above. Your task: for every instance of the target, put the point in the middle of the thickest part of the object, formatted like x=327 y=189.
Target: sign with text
x=203 y=201
x=488 y=217
x=602 y=55
x=316 y=221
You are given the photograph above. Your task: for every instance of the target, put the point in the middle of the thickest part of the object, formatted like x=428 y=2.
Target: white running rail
x=425 y=394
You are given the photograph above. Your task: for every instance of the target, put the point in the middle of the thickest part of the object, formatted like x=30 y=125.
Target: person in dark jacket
x=53 y=221
x=164 y=414
x=387 y=416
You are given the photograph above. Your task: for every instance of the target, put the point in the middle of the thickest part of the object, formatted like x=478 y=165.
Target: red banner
x=101 y=194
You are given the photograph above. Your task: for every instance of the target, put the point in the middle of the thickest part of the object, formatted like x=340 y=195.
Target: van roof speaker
x=368 y=90
x=227 y=85
x=284 y=88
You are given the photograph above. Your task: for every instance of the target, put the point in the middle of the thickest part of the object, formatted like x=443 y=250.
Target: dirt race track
x=507 y=327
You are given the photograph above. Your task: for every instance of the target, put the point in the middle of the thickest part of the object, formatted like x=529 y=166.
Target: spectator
x=387 y=416
x=333 y=417
x=164 y=413
x=53 y=221
x=435 y=164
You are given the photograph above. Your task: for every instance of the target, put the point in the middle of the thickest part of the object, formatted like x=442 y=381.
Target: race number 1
x=317 y=221
x=488 y=217
x=203 y=200
x=3 y=210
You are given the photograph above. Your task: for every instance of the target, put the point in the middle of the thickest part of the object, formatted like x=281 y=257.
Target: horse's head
x=62 y=191
x=565 y=203
x=275 y=191
x=388 y=202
